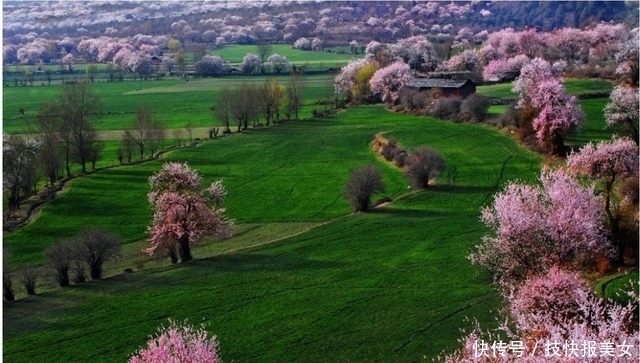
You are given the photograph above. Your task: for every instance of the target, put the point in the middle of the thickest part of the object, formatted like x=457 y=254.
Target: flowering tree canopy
x=557 y=111
x=416 y=51
x=278 y=63
x=537 y=227
x=622 y=111
x=179 y=343
x=552 y=317
x=210 y=66
x=608 y=162
x=389 y=80
x=250 y=63
x=184 y=211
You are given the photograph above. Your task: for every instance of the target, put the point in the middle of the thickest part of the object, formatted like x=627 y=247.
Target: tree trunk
x=557 y=144
x=96 y=271
x=185 y=249
x=173 y=254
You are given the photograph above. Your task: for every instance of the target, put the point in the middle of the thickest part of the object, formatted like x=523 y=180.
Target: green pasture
x=573 y=86
x=174 y=101
x=235 y=54
x=595 y=126
x=614 y=286
x=363 y=288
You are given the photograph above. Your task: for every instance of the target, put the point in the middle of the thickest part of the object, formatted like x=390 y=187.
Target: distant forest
x=325 y=19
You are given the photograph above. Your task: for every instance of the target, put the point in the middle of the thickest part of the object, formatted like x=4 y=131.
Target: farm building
x=442 y=87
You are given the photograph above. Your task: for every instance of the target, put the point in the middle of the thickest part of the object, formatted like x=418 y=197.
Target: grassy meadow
x=303 y=279
x=377 y=272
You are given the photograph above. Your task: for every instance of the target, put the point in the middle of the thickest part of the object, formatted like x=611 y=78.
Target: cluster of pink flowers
x=179 y=343
x=389 y=80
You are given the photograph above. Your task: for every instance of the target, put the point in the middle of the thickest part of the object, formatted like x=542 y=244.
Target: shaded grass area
x=595 y=126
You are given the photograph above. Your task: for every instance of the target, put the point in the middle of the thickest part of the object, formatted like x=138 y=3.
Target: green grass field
x=359 y=288
x=313 y=60
x=303 y=279
x=173 y=101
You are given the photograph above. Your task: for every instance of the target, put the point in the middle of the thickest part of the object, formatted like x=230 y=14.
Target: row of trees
x=147 y=133
x=82 y=256
x=63 y=133
x=247 y=103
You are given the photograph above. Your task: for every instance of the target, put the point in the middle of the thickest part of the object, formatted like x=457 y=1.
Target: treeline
x=64 y=135
x=248 y=103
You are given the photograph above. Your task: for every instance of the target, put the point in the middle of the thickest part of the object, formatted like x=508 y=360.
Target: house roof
x=437 y=83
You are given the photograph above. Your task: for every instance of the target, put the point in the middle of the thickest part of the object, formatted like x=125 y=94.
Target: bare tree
x=177 y=137
x=243 y=105
x=264 y=50
x=363 y=183
x=142 y=125
x=59 y=257
x=77 y=102
x=79 y=269
x=223 y=109
x=157 y=135
x=47 y=127
x=28 y=276
x=7 y=284
x=127 y=143
x=95 y=153
x=18 y=164
x=422 y=165
x=295 y=89
x=271 y=95
x=189 y=127
x=94 y=247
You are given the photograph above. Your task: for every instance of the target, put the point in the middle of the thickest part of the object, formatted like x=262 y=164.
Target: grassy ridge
x=362 y=288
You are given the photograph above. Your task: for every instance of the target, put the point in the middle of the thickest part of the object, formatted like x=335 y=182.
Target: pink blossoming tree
x=389 y=80
x=608 y=162
x=622 y=111
x=556 y=111
x=559 y=223
x=184 y=211
x=179 y=343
